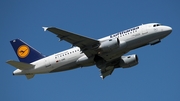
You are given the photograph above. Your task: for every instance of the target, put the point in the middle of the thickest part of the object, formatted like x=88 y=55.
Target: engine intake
x=129 y=61
x=109 y=45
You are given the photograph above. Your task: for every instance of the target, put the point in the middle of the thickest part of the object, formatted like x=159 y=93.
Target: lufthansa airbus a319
x=106 y=53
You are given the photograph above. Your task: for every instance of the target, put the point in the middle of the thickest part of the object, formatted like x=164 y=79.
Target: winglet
x=45 y=28
x=102 y=77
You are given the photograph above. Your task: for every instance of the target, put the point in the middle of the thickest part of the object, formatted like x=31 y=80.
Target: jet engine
x=128 y=61
x=111 y=45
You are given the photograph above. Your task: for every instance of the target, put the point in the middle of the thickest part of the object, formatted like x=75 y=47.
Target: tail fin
x=24 y=52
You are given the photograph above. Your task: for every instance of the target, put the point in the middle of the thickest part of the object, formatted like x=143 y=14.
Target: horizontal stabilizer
x=29 y=76
x=20 y=65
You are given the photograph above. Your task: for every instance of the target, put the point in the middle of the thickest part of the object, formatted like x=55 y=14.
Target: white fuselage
x=69 y=59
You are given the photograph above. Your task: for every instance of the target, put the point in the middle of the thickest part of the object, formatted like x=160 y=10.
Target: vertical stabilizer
x=25 y=52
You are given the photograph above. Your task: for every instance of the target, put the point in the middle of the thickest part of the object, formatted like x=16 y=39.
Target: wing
x=87 y=45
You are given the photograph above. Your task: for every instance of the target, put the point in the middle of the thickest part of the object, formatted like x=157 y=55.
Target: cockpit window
x=156 y=25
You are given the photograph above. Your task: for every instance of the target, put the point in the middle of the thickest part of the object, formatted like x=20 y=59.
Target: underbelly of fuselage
x=65 y=67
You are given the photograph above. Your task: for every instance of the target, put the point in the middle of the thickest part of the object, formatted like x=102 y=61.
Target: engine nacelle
x=109 y=45
x=128 y=61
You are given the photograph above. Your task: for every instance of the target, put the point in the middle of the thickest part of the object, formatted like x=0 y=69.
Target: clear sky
x=155 y=78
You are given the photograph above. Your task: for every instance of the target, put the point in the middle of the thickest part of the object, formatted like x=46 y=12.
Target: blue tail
x=24 y=52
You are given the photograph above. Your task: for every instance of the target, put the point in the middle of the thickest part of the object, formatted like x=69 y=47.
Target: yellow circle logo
x=23 y=51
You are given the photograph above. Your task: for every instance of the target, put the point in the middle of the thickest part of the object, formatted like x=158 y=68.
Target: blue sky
x=156 y=77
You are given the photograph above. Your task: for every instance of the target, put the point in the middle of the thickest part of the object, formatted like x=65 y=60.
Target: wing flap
x=20 y=65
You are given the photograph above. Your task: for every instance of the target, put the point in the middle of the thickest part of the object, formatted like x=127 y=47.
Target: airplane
x=106 y=53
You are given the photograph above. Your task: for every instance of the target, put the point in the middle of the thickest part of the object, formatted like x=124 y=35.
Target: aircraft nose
x=168 y=29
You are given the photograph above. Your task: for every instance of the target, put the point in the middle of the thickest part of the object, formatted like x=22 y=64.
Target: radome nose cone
x=169 y=29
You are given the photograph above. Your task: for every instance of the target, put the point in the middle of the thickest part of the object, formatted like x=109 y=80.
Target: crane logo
x=23 y=51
